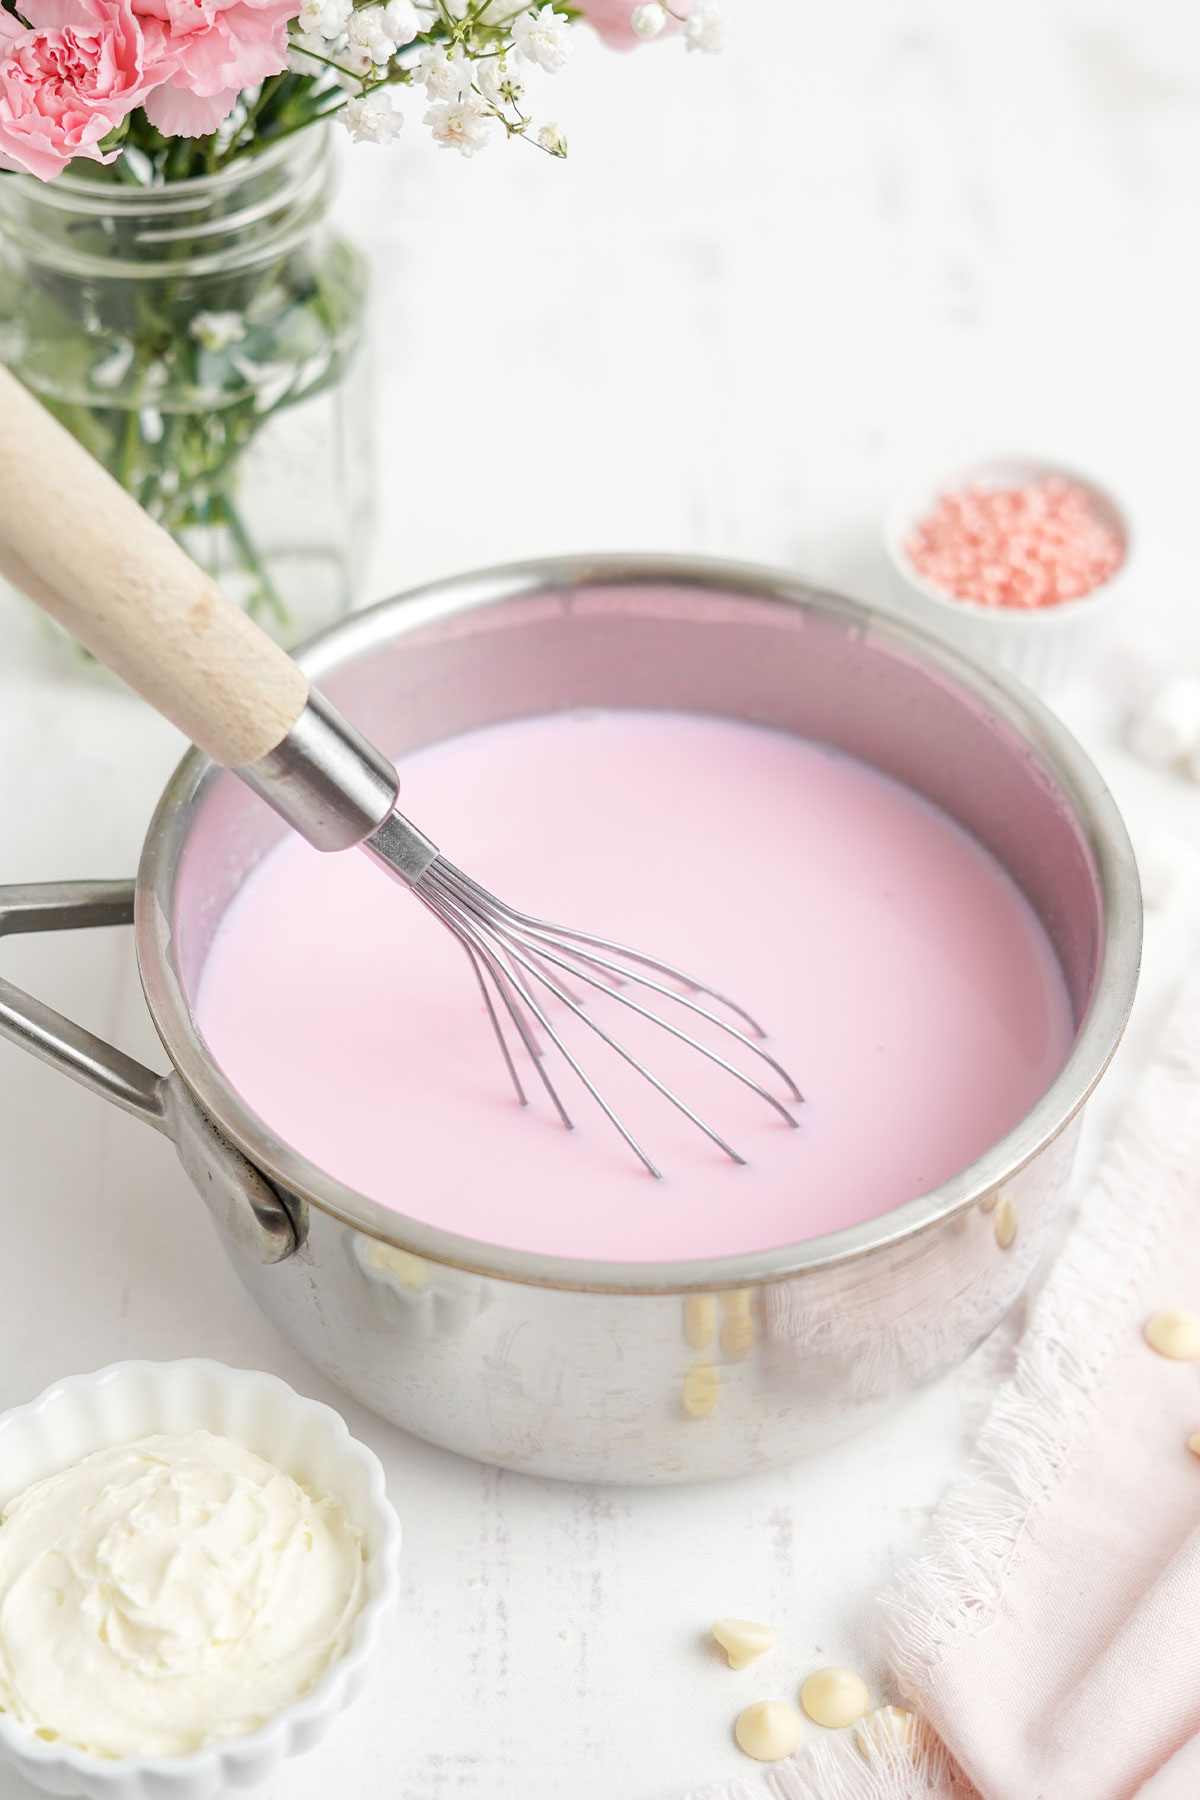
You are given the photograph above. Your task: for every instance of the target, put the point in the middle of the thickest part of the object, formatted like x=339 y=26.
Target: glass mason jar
x=201 y=339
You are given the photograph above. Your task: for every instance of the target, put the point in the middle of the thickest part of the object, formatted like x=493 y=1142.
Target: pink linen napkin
x=1049 y=1633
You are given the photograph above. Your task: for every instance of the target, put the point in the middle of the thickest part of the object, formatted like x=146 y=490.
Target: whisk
x=81 y=547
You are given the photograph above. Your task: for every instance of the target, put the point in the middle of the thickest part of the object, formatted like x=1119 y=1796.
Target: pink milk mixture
x=902 y=978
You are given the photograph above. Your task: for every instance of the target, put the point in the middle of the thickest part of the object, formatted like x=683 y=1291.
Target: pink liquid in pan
x=902 y=978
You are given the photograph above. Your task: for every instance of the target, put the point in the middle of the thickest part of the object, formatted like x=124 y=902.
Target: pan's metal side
x=656 y=1389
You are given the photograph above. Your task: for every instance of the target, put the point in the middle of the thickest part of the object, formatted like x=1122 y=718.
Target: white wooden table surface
x=761 y=292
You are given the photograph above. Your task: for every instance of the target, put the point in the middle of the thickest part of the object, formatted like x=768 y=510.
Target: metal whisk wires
x=517 y=958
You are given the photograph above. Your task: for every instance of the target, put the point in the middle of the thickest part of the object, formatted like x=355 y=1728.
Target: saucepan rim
x=1073 y=771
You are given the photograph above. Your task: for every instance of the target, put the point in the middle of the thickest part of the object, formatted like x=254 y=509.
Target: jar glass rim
x=79 y=189
x=255 y=212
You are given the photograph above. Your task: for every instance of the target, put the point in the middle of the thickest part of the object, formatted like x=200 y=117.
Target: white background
x=763 y=291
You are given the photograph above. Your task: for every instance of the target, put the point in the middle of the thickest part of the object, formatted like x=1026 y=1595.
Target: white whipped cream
x=160 y=1595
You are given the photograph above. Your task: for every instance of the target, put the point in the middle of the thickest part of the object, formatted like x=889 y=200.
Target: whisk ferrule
x=325 y=779
x=402 y=849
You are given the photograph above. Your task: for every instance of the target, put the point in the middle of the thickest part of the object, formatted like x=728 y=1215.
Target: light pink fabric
x=1092 y=1660
x=1051 y=1635
x=1050 y=1632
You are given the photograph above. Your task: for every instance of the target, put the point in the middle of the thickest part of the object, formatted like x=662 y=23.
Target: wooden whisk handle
x=83 y=549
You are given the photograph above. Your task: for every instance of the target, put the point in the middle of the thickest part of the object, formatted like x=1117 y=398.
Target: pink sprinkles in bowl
x=1020 y=547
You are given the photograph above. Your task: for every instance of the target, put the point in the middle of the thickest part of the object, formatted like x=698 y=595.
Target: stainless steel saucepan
x=667 y=1371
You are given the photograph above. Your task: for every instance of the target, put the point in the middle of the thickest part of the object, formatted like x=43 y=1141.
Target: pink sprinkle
x=1026 y=547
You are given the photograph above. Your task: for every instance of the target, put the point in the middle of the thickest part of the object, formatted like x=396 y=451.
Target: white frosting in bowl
x=170 y=1593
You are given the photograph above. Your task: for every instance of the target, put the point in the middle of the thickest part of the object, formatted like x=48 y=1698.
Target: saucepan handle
x=235 y=1192
x=38 y=1028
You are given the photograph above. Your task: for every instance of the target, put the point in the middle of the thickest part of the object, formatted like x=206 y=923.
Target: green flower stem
x=265 y=592
x=313 y=119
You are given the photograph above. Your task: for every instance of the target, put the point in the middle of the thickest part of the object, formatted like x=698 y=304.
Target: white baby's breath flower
x=324 y=18
x=446 y=73
x=367 y=33
x=648 y=21
x=354 y=66
x=112 y=369
x=215 y=331
x=372 y=118
x=302 y=49
x=705 y=28
x=544 y=37
x=553 y=138
x=270 y=380
x=266 y=306
x=463 y=125
x=401 y=21
x=498 y=81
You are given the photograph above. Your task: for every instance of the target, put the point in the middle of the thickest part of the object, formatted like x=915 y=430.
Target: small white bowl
x=1045 y=646
x=308 y=1441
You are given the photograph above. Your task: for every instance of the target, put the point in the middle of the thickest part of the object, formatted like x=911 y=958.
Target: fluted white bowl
x=1044 y=646
x=306 y=1439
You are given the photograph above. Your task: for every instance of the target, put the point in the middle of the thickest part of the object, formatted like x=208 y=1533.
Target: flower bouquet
x=169 y=284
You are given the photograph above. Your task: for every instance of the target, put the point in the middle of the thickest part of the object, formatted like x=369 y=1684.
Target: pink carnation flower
x=611 y=19
x=215 y=48
x=68 y=80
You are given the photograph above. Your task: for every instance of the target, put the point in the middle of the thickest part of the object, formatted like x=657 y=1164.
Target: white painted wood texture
x=763 y=291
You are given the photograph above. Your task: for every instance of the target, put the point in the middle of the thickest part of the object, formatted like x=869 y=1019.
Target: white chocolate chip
x=1167 y=726
x=887 y=1733
x=1174 y=1332
x=742 y=1640
x=985 y=1206
x=834 y=1697
x=701 y=1385
x=1005 y=1223
x=1194 y=1443
x=737 y=1327
x=700 y=1320
x=768 y=1730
